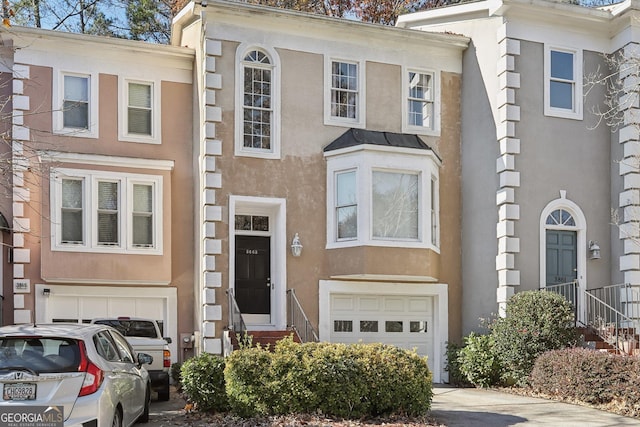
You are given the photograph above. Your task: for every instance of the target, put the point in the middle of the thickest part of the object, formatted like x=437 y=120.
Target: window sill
x=106 y=250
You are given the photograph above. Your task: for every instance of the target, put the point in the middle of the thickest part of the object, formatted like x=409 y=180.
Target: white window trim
x=575 y=113
x=90 y=205
x=360 y=120
x=123 y=116
x=421 y=130
x=368 y=158
x=58 y=99
x=240 y=149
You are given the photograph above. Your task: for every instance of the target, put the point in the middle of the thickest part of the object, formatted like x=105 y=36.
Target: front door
x=561 y=257
x=253 y=278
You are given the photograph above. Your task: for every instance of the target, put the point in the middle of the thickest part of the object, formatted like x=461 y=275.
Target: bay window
x=382 y=196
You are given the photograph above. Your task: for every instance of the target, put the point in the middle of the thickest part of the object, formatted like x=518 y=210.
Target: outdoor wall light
x=296 y=246
x=594 y=250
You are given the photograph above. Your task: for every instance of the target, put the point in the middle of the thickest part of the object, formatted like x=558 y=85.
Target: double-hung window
x=420 y=103
x=106 y=212
x=257 y=97
x=379 y=196
x=139 y=111
x=563 y=83
x=346 y=205
x=75 y=111
x=75 y=106
x=345 y=94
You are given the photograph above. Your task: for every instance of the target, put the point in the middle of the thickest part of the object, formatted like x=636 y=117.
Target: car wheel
x=117 y=419
x=163 y=395
x=144 y=418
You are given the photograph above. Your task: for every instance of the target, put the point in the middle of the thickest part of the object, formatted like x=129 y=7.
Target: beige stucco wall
x=300 y=177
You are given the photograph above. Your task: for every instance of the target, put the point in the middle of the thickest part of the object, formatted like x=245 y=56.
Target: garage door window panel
x=343 y=326
x=393 y=326
x=368 y=326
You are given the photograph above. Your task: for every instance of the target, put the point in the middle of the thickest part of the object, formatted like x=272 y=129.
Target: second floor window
x=139 y=109
x=105 y=212
x=75 y=105
x=420 y=100
x=563 y=83
x=344 y=90
x=395 y=205
x=257 y=101
x=346 y=205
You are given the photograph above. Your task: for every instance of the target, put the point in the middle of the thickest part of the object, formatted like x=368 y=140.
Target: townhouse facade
x=99 y=216
x=329 y=168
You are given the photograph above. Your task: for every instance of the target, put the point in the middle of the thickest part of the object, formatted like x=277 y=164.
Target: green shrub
x=456 y=377
x=478 y=361
x=535 y=322
x=341 y=380
x=203 y=382
x=175 y=374
x=249 y=383
x=591 y=377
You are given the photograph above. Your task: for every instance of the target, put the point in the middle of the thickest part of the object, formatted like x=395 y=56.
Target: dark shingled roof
x=354 y=137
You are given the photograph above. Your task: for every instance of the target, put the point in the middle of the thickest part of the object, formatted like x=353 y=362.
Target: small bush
x=535 y=322
x=456 y=377
x=203 y=382
x=175 y=374
x=478 y=361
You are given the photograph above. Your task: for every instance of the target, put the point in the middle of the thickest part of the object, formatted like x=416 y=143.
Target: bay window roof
x=354 y=137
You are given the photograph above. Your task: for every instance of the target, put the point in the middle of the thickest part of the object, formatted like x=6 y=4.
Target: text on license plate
x=19 y=391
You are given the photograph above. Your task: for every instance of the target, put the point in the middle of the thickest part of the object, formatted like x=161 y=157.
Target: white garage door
x=64 y=303
x=402 y=320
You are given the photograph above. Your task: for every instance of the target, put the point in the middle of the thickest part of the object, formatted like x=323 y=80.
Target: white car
x=71 y=375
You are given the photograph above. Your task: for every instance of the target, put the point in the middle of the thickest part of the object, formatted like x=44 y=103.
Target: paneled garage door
x=404 y=321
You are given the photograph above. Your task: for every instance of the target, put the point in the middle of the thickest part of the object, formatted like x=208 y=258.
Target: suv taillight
x=93 y=375
x=166 y=358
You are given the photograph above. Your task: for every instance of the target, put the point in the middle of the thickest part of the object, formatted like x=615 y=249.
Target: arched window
x=257 y=102
x=561 y=217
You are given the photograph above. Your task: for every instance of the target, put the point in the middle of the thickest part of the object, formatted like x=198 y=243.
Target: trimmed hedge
x=334 y=379
x=589 y=376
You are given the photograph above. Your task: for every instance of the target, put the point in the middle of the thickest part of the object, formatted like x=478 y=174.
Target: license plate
x=19 y=391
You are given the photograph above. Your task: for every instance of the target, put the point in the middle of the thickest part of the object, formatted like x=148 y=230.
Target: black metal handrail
x=298 y=320
x=236 y=322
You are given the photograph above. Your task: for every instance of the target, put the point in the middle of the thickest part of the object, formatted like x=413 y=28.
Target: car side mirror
x=145 y=359
x=167 y=339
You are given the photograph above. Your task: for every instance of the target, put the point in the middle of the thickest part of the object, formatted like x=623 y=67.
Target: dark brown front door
x=253 y=274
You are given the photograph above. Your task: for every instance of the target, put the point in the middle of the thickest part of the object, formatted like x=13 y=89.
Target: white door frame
x=275 y=209
x=581 y=244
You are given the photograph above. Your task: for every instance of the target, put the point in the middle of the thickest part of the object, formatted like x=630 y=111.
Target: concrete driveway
x=470 y=407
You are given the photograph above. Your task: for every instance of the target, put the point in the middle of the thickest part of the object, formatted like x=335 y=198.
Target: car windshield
x=132 y=328
x=39 y=354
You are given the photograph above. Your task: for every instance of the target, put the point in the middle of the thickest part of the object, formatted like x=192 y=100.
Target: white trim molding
x=276 y=210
